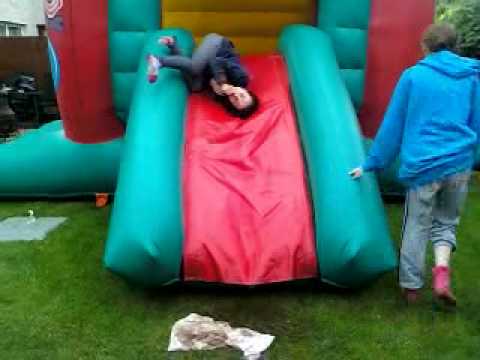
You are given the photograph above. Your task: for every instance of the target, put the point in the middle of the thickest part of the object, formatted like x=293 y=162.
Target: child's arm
x=475 y=112
x=217 y=88
x=218 y=67
x=389 y=137
x=225 y=72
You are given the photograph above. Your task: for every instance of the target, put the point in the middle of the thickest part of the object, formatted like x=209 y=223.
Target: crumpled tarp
x=196 y=332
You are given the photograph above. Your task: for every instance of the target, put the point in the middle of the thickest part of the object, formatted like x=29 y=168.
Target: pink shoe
x=441 y=286
x=153 y=66
x=411 y=296
x=167 y=40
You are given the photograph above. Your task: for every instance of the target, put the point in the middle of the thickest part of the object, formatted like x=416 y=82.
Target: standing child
x=433 y=122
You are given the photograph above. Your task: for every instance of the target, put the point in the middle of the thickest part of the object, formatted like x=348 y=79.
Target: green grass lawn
x=58 y=302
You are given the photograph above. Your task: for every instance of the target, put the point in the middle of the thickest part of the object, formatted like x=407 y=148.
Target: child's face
x=239 y=97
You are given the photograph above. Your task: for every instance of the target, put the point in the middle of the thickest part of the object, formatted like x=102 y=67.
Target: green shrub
x=465 y=16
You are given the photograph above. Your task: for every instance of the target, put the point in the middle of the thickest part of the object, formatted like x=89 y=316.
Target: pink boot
x=441 y=286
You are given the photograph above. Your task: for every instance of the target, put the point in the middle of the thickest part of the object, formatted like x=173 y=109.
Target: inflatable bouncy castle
x=203 y=196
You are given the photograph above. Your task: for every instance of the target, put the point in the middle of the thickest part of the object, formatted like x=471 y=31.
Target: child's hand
x=356 y=173
x=217 y=89
x=227 y=89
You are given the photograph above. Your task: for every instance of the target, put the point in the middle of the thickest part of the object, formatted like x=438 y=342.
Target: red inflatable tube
x=84 y=93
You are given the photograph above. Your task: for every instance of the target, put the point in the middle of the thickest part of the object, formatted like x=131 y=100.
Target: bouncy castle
x=201 y=195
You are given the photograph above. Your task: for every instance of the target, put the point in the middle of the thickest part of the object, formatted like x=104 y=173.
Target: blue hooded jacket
x=433 y=120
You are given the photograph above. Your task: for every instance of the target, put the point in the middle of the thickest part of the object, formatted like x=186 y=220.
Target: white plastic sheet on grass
x=28 y=228
x=197 y=332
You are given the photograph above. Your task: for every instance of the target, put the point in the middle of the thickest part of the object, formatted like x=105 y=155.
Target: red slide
x=247 y=209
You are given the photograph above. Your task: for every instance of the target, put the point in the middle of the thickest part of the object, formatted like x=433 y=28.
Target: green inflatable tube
x=353 y=241
x=145 y=238
x=43 y=163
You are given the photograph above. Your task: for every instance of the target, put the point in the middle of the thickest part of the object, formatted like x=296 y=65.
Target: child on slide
x=433 y=122
x=214 y=65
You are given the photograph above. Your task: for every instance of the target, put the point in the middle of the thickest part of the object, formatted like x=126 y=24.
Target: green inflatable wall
x=346 y=23
x=128 y=24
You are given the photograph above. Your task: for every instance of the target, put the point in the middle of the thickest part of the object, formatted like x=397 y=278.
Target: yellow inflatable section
x=253 y=25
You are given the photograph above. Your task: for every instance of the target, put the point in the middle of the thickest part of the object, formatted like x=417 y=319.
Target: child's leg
x=206 y=52
x=201 y=56
x=175 y=61
x=446 y=216
x=416 y=231
x=192 y=69
x=182 y=63
x=171 y=43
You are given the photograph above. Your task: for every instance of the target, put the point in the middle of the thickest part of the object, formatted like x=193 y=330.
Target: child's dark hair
x=240 y=113
x=440 y=37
